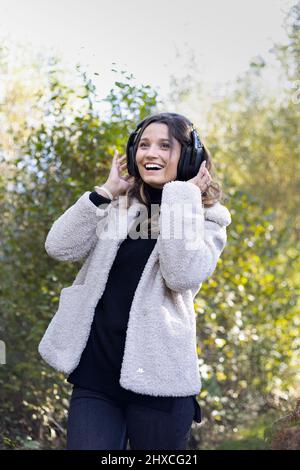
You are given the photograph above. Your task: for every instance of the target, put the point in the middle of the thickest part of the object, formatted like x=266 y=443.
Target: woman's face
x=154 y=148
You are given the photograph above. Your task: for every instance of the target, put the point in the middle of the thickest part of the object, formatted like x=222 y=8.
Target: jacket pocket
x=67 y=333
x=69 y=321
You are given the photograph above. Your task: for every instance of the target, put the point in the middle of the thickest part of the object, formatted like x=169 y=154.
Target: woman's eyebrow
x=146 y=138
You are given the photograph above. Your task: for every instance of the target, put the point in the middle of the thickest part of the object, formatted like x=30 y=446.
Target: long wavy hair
x=180 y=128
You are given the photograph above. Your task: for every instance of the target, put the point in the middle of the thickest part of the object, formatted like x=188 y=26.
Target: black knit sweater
x=100 y=363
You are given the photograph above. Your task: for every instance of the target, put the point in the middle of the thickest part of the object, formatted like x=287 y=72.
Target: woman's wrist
x=106 y=190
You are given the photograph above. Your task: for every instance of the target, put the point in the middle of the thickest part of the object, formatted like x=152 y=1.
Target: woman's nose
x=152 y=151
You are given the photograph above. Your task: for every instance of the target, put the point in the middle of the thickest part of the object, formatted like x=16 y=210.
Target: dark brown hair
x=180 y=128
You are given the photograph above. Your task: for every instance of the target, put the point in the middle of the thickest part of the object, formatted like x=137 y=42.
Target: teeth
x=150 y=167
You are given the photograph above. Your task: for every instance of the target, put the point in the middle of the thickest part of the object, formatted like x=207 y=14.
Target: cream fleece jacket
x=160 y=356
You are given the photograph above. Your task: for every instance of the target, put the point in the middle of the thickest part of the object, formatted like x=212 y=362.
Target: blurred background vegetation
x=54 y=145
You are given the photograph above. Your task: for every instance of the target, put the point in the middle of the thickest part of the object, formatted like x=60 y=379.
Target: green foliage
x=247 y=317
x=250 y=436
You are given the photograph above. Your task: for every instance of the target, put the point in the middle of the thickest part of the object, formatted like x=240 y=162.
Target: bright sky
x=146 y=38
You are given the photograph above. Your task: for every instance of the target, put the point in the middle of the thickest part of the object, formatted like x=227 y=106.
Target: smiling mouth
x=152 y=167
x=153 y=170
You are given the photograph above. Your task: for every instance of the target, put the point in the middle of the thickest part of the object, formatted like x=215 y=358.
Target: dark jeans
x=98 y=422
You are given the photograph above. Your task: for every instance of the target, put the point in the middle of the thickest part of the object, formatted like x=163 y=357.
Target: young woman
x=125 y=330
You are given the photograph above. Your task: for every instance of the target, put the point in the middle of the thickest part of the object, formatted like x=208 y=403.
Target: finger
x=115 y=157
x=202 y=167
x=206 y=173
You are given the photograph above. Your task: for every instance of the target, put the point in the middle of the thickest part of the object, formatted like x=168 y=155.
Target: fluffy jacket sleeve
x=73 y=234
x=190 y=257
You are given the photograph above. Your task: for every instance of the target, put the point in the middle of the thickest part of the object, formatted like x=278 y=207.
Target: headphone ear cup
x=131 y=165
x=180 y=172
x=199 y=153
x=191 y=158
x=189 y=167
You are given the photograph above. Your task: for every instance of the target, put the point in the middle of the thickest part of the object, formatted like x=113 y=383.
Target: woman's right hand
x=117 y=183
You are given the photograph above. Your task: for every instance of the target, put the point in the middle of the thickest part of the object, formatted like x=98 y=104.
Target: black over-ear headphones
x=190 y=160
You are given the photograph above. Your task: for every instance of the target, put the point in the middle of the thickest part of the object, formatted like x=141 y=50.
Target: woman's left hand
x=202 y=179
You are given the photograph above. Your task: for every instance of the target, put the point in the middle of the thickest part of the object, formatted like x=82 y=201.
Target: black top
x=100 y=363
